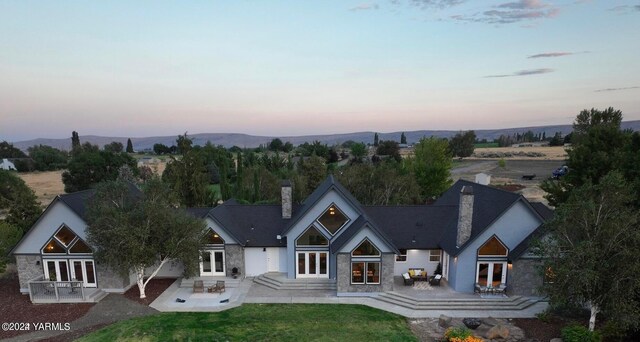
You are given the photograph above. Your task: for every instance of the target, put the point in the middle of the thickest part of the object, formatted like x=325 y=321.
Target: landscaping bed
x=264 y=322
x=539 y=330
x=153 y=290
x=17 y=308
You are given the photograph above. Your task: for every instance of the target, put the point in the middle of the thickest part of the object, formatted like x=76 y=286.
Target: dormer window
x=333 y=219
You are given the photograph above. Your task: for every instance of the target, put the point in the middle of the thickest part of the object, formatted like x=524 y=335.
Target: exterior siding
x=234 y=257
x=110 y=281
x=256 y=262
x=511 y=228
x=525 y=277
x=28 y=270
x=416 y=258
x=344 y=285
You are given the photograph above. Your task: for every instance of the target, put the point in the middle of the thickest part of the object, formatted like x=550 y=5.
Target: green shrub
x=544 y=316
x=457 y=332
x=612 y=331
x=502 y=163
x=578 y=333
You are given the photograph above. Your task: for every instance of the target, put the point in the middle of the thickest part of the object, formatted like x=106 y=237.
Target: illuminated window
x=493 y=247
x=434 y=255
x=53 y=246
x=214 y=238
x=333 y=219
x=366 y=249
x=312 y=237
x=65 y=235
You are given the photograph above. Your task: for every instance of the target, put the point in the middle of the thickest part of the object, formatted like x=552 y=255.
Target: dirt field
x=550 y=152
x=47 y=185
x=510 y=174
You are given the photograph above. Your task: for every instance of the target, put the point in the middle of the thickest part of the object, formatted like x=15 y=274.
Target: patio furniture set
x=419 y=274
x=499 y=290
x=198 y=287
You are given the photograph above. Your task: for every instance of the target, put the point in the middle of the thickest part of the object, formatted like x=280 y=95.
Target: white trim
x=367 y=256
x=333 y=204
x=212 y=261
x=317 y=273
x=366 y=272
x=503 y=276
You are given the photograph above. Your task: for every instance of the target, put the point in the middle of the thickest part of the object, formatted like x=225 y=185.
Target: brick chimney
x=287 y=199
x=465 y=215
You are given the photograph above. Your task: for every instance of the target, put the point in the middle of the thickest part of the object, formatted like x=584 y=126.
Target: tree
x=389 y=148
x=403 y=138
x=276 y=145
x=590 y=250
x=9 y=236
x=161 y=149
x=432 y=166
x=114 y=146
x=129 y=146
x=188 y=175
x=375 y=140
x=47 y=158
x=358 y=150
x=8 y=151
x=461 y=145
x=89 y=166
x=314 y=171
x=556 y=140
x=387 y=183
x=75 y=141
x=131 y=233
x=18 y=201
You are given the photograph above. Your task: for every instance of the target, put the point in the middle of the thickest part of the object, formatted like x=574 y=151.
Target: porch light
x=215 y=235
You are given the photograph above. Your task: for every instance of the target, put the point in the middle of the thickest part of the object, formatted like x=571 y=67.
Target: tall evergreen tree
x=375 y=140
x=403 y=138
x=75 y=141
x=129 y=146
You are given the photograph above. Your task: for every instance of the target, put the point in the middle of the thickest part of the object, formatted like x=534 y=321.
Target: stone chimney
x=287 y=199
x=465 y=215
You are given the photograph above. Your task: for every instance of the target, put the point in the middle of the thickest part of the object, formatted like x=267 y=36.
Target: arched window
x=312 y=237
x=493 y=247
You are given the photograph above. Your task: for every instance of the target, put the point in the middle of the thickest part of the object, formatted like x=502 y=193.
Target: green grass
x=488 y=144
x=264 y=322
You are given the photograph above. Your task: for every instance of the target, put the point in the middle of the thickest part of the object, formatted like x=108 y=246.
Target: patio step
x=278 y=281
x=95 y=296
x=509 y=303
x=210 y=281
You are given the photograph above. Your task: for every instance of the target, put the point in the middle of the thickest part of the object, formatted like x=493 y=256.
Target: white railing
x=58 y=291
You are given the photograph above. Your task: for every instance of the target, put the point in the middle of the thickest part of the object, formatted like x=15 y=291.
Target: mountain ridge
x=250 y=141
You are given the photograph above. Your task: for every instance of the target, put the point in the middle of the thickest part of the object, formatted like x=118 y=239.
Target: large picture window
x=493 y=247
x=65 y=241
x=312 y=237
x=333 y=219
x=365 y=272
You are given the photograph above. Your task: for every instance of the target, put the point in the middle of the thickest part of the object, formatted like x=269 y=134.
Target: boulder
x=444 y=321
x=472 y=323
x=498 y=332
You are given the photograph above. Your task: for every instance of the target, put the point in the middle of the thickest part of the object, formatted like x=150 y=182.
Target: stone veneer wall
x=110 y=280
x=524 y=278
x=28 y=270
x=344 y=275
x=234 y=257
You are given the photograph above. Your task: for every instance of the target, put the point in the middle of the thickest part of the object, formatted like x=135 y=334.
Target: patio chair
x=501 y=289
x=220 y=287
x=435 y=280
x=198 y=286
x=479 y=289
x=407 y=279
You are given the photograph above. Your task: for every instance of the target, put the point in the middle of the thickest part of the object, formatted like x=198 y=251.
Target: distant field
x=550 y=152
x=47 y=185
x=485 y=145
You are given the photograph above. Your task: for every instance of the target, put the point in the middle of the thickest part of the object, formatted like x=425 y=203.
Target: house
x=6 y=164
x=478 y=234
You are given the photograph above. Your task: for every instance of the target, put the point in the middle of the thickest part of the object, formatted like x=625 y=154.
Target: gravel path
x=112 y=308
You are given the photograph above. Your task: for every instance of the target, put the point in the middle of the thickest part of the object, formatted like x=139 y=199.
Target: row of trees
x=590 y=246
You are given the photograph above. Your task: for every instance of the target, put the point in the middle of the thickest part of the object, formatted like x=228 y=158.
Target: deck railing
x=56 y=291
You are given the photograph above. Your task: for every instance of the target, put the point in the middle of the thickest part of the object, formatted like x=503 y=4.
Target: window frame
x=314 y=246
x=333 y=204
x=493 y=255
x=379 y=255
x=431 y=255
x=366 y=270
x=401 y=255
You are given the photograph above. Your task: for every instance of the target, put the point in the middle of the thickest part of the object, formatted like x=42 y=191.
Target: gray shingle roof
x=251 y=225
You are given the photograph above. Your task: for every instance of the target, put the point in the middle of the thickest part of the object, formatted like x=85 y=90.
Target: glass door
x=312 y=265
x=56 y=270
x=491 y=274
x=84 y=270
x=212 y=263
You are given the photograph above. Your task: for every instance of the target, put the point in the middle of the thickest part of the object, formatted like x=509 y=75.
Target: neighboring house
x=6 y=164
x=148 y=161
x=478 y=234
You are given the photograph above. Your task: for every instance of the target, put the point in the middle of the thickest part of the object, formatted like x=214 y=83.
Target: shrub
x=578 y=333
x=544 y=316
x=502 y=163
x=460 y=334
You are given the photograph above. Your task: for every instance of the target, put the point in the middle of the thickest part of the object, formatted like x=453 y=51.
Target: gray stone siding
x=110 y=280
x=524 y=278
x=344 y=275
x=28 y=270
x=234 y=257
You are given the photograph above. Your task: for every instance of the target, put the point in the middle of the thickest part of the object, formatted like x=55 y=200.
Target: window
x=434 y=255
x=549 y=276
x=493 y=247
x=402 y=257
x=366 y=249
x=53 y=246
x=372 y=270
x=79 y=248
x=312 y=237
x=65 y=235
x=333 y=219
x=65 y=241
x=213 y=238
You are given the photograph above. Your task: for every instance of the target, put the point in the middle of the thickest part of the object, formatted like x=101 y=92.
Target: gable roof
x=362 y=221
x=488 y=205
x=79 y=200
x=330 y=183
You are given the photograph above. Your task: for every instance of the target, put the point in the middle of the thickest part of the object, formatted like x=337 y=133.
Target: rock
x=472 y=323
x=490 y=321
x=444 y=321
x=497 y=332
x=557 y=339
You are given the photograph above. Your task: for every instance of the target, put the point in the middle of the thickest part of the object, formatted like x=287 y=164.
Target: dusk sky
x=279 y=68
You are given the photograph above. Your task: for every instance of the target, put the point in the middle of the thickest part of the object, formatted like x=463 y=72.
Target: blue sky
x=142 y=68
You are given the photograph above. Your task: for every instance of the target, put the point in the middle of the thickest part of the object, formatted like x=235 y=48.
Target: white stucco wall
x=256 y=262
x=221 y=231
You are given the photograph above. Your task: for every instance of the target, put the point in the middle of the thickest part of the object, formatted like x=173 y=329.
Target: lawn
x=264 y=322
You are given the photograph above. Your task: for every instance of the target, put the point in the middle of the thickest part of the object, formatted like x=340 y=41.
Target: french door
x=212 y=263
x=312 y=265
x=66 y=270
x=491 y=274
